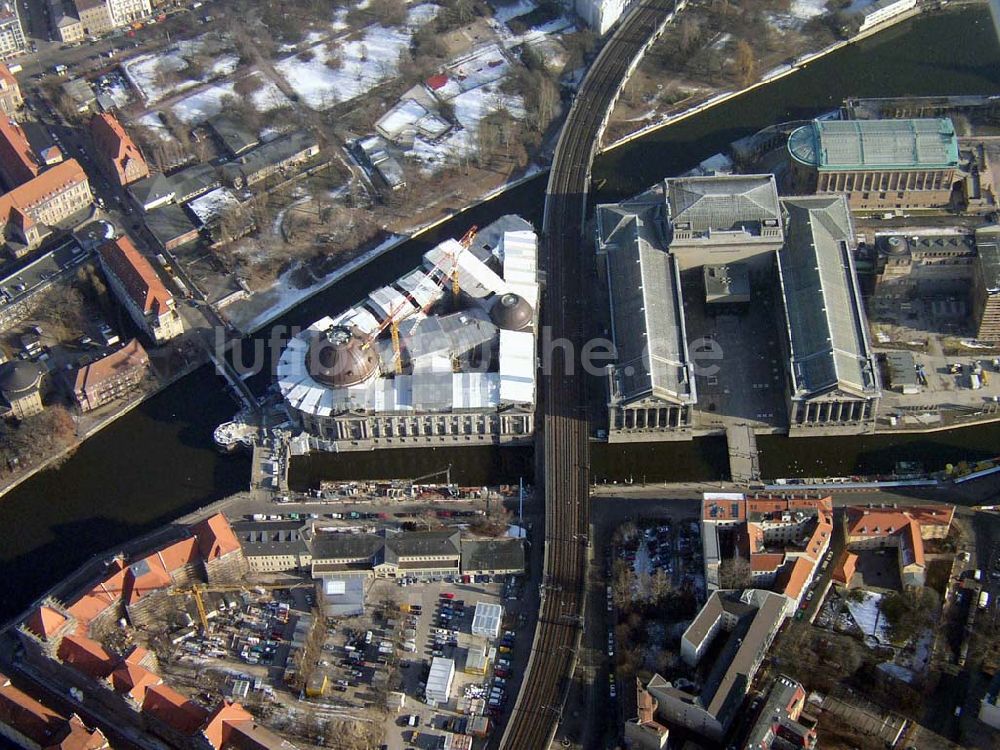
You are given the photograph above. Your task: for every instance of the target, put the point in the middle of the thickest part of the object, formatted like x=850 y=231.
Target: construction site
x=413 y=365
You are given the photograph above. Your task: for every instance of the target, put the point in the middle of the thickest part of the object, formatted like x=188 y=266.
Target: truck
x=984 y=599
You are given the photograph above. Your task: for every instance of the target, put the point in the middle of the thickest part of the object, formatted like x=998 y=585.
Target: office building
x=12 y=40
x=10 y=93
x=903 y=528
x=986 y=284
x=138 y=287
x=783 y=540
x=781 y=723
x=28 y=212
x=118 y=155
x=880 y=165
x=111 y=377
x=746 y=622
x=18 y=163
x=601 y=15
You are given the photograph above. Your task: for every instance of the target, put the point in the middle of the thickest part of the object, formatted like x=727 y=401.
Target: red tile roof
x=91 y=377
x=846 y=567
x=17 y=161
x=137 y=276
x=41 y=189
x=766 y=562
x=438 y=81
x=220 y=723
x=98 y=599
x=144 y=577
x=80 y=737
x=45 y=622
x=794 y=577
x=179 y=554
x=173 y=709
x=133 y=680
x=723 y=507
x=115 y=145
x=86 y=656
x=27 y=716
x=215 y=537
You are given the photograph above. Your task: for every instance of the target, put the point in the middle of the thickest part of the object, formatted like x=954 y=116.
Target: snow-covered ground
x=203 y=104
x=867 y=616
x=144 y=71
x=506 y=12
x=806 y=9
x=207 y=102
x=249 y=315
x=210 y=205
x=364 y=63
x=152 y=121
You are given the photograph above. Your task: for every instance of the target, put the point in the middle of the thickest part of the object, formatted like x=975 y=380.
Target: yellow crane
x=198 y=589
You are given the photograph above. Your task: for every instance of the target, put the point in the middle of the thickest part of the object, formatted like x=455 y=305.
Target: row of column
x=646 y=418
x=898 y=180
x=832 y=412
x=424 y=426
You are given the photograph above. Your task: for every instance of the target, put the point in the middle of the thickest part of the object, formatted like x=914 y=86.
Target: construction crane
x=200 y=588
x=465 y=242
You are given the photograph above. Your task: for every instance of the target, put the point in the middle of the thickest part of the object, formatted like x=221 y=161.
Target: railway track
x=565 y=432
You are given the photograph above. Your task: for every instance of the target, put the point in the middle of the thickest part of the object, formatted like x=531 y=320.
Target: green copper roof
x=875 y=144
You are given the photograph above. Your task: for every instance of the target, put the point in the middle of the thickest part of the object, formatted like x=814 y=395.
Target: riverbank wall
x=771 y=77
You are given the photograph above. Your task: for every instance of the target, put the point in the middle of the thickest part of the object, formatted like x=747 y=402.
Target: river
x=157 y=462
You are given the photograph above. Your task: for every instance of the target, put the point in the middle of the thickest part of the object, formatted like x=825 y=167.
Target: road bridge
x=562 y=441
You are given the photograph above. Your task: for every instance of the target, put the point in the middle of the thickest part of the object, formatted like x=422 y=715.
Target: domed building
x=20 y=389
x=414 y=364
x=511 y=312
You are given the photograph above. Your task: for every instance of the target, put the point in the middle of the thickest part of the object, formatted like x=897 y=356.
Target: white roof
x=520 y=264
x=486 y=621
x=475 y=278
x=475 y=390
x=419 y=285
x=440 y=678
x=393 y=302
x=517 y=367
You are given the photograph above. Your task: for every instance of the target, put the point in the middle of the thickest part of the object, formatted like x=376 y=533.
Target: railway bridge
x=562 y=441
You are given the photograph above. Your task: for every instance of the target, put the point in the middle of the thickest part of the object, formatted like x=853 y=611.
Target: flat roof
x=876 y=144
x=988 y=251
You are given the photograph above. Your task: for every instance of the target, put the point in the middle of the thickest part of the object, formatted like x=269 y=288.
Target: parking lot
x=438 y=623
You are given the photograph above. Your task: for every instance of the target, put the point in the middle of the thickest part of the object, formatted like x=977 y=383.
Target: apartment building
x=110 y=377
x=18 y=164
x=274 y=157
x=27 y=211
x=986 y=284
x=76 y=19
x=12 y=40
x=903 y=528
x=140 y=290
x=10 y=93
x=119 y=156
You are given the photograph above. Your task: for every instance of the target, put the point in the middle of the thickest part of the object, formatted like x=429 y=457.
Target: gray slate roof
x=647 y=325
x=327 y=546
x=824 y=314
x=722 y=202
x=492 y=554
x=421 y=544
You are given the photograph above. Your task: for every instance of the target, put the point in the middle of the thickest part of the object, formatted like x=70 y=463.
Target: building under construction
x=445 y=355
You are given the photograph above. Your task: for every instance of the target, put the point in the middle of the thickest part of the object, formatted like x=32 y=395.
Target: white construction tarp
x=475 y=278
x=520 y=264
x=419 y=285
x=391 y=302
x=475 y=390
x=517 y=367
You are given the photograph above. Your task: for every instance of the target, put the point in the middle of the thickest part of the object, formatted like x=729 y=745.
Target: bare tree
x=734 y=573
x=746 y=63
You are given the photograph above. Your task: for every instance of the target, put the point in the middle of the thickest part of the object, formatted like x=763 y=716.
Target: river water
x=157 y=462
